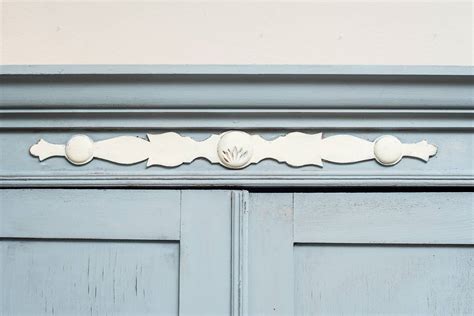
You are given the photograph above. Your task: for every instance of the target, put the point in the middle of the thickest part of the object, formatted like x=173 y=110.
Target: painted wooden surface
x=361 y=253
x=271 y=254
x=303 y=86
x=406 y=218
x=383 y=280
x=205 y=261
x=89 y=278
x=290 y=267
x=123 y=252
x=412 y=103
x=445 y=168
x=91 y=214
x=239 y=253
x=234 y=149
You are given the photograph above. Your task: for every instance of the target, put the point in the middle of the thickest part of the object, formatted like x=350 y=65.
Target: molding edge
x=244 y=181
x=239 y=279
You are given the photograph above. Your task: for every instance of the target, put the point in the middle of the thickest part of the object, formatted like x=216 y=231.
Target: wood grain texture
x=89 y=278
x=407 y=218
x=383 y=280
x=271 y=254
x=90 y=214
x=205 y=253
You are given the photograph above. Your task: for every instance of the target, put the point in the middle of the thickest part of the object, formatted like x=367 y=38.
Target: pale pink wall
x=242 y=32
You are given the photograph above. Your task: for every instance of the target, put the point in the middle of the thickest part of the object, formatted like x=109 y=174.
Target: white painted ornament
x=235 y=149
x=79 y=149
x=388 y=150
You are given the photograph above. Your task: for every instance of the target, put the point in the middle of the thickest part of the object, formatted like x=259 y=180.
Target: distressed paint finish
x=383 y=280
x=271 y=254
x=91 y=214
x=116 y=251
x=249 y=87
x=205 y=253
x=19 y=169
x=89 y=278
x=239 y=249
x=381 y=252
x=361 y=253
x=389 y=218
x=410 y=103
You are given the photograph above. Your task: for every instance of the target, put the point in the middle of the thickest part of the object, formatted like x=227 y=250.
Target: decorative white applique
x=234 y=149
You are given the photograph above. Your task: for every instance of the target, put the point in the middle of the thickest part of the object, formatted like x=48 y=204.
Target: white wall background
x=241 y=32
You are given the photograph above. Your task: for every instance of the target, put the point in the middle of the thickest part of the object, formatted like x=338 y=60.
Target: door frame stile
x=239 y=248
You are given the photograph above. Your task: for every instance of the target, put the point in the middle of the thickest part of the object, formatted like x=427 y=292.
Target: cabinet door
x=361 y=253
x=115 y=252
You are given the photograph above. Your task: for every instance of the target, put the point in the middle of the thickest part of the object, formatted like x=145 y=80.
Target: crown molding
x=236 y=70
x=105 y=101
x=236 y=87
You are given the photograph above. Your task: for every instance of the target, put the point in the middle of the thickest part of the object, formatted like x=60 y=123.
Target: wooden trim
x=234 y=149
x=409 y=102
x=239 y=282
x=236 y=87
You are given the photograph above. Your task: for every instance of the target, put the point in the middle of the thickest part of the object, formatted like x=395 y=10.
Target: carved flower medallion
x=235 y=149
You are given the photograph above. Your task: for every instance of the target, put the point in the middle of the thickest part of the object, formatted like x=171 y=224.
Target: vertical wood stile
x=239 y=253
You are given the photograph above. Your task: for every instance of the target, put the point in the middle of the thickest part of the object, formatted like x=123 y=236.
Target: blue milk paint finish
x=412 y=103
x=361 y=253
x=452 y=165
x=385 y=218
x=150 y=250
x=90 y=214
x=190 y=87
x=119 y=252
x=383 y=280
x=87 y=277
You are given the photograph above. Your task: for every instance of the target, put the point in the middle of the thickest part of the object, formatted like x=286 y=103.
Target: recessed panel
x=376 y=280
x=88 y=278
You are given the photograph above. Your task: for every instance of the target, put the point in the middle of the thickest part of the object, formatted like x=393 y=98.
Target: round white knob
x=388 y=150
x=80 y=149
x=235 y=149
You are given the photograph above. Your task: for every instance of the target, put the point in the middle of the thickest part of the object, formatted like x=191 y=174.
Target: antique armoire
x=236 y=190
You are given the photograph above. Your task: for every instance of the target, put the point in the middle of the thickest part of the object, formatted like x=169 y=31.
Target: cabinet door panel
x=117 y=252
x=400 y=280
x=89 y=277
x=362 y=253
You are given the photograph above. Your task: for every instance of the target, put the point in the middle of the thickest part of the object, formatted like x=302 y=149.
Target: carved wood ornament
x=234 y=149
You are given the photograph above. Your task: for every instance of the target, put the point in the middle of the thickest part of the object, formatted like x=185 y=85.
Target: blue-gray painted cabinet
x=266 y=238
